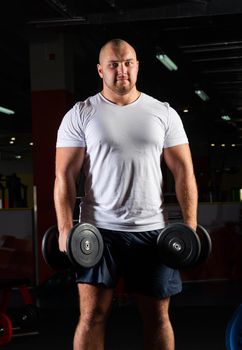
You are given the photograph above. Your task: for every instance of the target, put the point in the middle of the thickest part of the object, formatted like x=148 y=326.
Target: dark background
x=48 y=54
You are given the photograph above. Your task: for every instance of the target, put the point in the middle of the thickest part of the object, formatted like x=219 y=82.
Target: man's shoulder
x=86 y=105
x=155 y=103
x=89 y=101
x=154 y=100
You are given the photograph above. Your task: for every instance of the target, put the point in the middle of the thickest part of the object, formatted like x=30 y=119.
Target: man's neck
x=121 y=100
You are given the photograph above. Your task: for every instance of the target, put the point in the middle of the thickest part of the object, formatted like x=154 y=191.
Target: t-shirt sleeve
x=175 y=132
x=70 y=132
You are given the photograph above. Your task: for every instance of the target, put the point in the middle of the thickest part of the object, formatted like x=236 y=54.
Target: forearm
x=187 y=196
x=64 y=198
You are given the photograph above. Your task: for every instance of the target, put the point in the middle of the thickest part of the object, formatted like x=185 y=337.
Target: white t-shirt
x=123 y=187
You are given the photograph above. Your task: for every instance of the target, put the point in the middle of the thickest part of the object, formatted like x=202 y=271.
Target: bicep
x=69 y=160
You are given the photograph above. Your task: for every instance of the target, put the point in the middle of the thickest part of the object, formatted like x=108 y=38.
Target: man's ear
x=100 y=71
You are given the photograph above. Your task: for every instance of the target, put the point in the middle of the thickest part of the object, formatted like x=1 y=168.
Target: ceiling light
x=225 y=117
x=212 y=144
x=223 y=145
x=31 y=143
x=202 y=95
x=233 y=145
x=185 y=110
x=6 y=110
x=13 y=138
x=11 y=142
x=168 y=63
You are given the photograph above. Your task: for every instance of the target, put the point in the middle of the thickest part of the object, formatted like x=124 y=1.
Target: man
x=119 y=137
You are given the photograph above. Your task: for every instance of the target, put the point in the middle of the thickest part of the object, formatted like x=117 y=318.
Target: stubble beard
x=121 y=88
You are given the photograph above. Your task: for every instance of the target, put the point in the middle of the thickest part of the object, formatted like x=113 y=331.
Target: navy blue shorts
x=132 y=256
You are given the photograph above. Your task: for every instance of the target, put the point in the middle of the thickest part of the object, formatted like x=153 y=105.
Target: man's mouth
x=122 y=79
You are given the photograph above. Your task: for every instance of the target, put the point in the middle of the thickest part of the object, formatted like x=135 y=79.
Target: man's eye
x=113 y=65
x=128 y=63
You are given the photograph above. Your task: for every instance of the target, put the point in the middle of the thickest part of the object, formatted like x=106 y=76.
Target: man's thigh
x=94 y=299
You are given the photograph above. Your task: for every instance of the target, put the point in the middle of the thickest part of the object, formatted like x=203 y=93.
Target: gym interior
x=49 y=51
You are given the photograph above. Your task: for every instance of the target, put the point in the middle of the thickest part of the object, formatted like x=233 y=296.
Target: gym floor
x=199 y=315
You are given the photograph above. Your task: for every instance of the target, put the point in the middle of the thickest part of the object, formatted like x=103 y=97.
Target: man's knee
x=93 y=318
x=155 y=312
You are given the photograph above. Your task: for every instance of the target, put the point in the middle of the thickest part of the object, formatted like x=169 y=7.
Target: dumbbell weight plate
x=233 y=334
x=6 y=329
x=53 y=257
x=179 y=246
x=85 y=245
x=206 y=244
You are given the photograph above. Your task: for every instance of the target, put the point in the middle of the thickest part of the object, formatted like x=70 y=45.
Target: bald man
x=118 y=137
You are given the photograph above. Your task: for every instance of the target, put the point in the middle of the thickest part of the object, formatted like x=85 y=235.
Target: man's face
x=118 y=68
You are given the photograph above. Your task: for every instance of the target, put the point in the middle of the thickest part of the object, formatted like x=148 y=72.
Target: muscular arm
x=69 y=161
x=179 y=161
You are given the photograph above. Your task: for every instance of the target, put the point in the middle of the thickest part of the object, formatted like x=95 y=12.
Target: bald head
x=115 y=45
x=118 y=68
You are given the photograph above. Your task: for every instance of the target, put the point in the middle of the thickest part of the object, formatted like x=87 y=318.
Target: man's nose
x=122 y=68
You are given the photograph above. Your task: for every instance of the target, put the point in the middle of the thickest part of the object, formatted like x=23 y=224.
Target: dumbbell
x=84 y=247
x=178 y=246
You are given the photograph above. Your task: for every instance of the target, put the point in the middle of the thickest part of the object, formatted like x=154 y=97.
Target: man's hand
x=193 y=225
x=62 y=241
